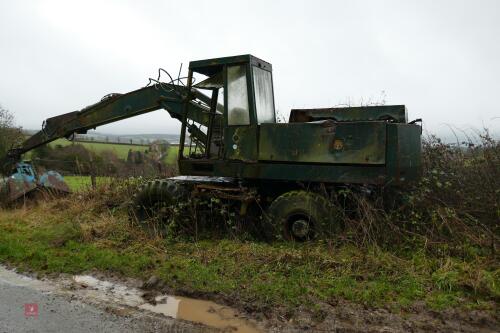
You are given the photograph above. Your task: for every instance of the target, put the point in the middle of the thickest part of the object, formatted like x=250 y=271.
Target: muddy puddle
x=99 y=291
x=193 y=310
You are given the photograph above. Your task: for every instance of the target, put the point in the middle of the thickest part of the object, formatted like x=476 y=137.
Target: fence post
x=92 y=172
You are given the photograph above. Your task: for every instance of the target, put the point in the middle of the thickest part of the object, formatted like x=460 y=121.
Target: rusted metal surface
x=24 y=181
x=199 y=179
x=232 y=193
x=53 y=181
x=19 y=186
x=20 y=182
x=324 y=142
x=393 y=113
x=220 y=190
x=212 y=66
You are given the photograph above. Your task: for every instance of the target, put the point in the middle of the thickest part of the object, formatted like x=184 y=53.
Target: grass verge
x=75 y=235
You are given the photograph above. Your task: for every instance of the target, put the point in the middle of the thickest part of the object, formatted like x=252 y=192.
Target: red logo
x=31 y=310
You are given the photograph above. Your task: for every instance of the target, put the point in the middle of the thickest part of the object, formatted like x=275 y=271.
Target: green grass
x=173 y=152
x=73 y=236
x=77 y=183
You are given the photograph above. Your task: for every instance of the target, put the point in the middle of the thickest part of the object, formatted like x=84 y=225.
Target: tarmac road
x=61 y=313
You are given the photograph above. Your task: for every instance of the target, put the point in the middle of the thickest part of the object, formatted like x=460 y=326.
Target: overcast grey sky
x=440 y=58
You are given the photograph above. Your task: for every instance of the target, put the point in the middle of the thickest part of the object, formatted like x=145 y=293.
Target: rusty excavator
x=232 y=147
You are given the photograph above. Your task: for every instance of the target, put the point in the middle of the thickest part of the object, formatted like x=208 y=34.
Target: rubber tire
x=324 y=219
x=151 y=197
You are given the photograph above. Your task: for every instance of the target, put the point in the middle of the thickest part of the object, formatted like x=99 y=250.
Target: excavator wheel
x=156 y=204
x=301 y=216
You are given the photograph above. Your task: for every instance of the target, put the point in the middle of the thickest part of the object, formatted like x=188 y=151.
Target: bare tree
x=10 y=135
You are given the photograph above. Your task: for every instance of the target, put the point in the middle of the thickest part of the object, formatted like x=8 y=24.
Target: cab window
x=237 y=96
x=264 y=103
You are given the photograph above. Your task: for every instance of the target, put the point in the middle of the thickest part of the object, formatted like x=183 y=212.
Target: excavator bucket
x=54 y=182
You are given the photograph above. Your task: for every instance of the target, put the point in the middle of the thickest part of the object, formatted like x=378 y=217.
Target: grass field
x=78 y=183
x=121 y=150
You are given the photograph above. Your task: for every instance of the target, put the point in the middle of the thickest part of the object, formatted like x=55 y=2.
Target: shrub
x=456 y=203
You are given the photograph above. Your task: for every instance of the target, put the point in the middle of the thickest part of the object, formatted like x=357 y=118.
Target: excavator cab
x=241 y=138
x=24 y=169
x=241 y=93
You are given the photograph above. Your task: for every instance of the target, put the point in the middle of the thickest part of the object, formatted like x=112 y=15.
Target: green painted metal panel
x=341 y=174
x=240 y=143
x=324 y=142
x=404 y=152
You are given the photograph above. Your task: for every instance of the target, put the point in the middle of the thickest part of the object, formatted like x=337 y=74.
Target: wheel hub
x=300 y=228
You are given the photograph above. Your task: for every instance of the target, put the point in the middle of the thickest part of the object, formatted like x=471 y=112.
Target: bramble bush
x=455 y=204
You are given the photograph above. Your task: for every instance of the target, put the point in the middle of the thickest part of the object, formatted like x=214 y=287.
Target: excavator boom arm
x=116 y=107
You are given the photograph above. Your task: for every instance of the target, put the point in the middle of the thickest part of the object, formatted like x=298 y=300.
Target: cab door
x=240 y=130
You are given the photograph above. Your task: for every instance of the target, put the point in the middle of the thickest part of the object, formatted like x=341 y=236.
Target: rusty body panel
x=301 y=172
x=324 y=142
x=241 y=143
x=394 y=113
x=53 y=181
x=17 y=187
